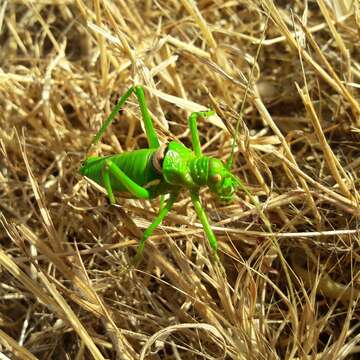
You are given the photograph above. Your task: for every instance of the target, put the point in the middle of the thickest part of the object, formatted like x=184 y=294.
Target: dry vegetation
x=285 y=291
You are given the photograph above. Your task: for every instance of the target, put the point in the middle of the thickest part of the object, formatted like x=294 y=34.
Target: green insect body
x=160 y=170
x=137 y=165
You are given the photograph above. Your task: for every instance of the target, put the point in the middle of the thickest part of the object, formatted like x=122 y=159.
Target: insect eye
x=216 y=178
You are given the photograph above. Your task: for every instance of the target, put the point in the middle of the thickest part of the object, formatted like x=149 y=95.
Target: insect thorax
x=181 y=167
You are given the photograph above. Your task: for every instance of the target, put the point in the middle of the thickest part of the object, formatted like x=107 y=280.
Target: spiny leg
x=112 y=115
x=194 y=131
x=162 y=202
x=156 y=222
x=107 y=185
x=131 y=186
x=149 y=127
x=204 y=221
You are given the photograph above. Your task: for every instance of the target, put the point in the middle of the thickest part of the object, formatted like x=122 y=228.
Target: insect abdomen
x=137 y=165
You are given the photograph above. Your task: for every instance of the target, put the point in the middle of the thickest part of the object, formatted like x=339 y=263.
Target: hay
x=287 y=283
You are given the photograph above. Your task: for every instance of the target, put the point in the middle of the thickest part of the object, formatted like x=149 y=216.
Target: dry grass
x=288 y=290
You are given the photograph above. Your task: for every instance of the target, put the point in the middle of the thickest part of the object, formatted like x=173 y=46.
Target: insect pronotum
x=173 y=166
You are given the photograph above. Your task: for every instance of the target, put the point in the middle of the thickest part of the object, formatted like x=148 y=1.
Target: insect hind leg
x=112 y=115
x=131 y=186
x=149 y=127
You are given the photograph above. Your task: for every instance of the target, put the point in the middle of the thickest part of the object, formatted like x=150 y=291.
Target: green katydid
x=159 y=170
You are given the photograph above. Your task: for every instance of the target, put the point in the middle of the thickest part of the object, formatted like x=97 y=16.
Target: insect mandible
x=162 y=169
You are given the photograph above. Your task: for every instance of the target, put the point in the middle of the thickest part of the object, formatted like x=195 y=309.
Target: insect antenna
x=230 y=160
